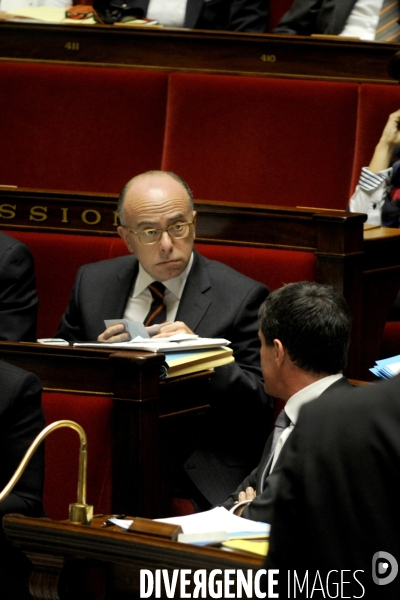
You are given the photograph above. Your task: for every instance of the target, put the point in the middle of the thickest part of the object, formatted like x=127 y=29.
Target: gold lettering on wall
x=64 y=215
x=97 y=217
x=268 y=58
x=38 y=213
x=72 y=46
x=7 y=211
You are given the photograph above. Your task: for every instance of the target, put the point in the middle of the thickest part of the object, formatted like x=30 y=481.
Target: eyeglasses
x=148 y=237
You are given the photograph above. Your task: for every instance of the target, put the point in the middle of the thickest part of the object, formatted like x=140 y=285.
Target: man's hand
x=172 y=329
x=249 y=494
x=115 y=333
x=387 y=145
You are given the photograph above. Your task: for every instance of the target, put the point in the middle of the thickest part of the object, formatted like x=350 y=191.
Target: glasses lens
x=149 y=236
x=179 y=230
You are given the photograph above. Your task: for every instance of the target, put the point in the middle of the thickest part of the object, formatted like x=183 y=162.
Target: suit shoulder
x=222 y=273
x=109 y=265
x=14 y=380
x=8 y=243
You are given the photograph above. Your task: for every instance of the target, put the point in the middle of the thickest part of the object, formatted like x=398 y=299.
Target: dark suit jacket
x=337 y=502
x=216 y=302
x=260 y=509
x=315 y=16
x=21 y=419
x=230 y=15
x=18 y=297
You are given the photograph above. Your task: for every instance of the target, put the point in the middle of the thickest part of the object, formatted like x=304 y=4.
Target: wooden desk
x=259 y=55
x=113 y=557
x=147 y=412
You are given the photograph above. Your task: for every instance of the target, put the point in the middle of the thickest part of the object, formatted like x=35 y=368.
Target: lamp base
x=81 y=513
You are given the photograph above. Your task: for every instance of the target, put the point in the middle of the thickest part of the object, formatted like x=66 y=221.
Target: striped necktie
x=158 y=310
x=281 y=423
x=388 y=29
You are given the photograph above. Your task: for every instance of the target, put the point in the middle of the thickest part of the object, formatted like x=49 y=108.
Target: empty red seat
x=260 y=140
x=79 y=128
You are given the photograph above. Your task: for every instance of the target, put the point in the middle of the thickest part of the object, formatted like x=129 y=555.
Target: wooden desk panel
x=219 y=52
x=146 y=410
x=114 y=556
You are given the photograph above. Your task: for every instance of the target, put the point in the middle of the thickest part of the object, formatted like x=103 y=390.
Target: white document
x=394 y=368
x=136 y=328
x=178 y=342
x=219 y=519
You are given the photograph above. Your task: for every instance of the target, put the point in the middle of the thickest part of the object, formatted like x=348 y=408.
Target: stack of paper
x=192 y=361
x=218 y=520
x=178 y=342
x=387 y=367
x=45 y=14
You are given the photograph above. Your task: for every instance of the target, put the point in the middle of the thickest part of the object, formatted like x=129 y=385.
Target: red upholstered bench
x=58 y=257
x=261 y=140
x=269 y=266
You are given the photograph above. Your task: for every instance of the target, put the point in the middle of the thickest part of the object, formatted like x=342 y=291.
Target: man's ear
x=124 y=234
x=280 y=352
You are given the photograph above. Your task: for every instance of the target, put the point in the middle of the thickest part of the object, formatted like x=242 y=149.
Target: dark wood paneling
x=260 y=55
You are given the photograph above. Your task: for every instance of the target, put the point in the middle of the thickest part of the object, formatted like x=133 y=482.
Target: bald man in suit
x=201 y=296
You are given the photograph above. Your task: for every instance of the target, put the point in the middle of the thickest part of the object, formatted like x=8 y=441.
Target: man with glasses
x=201 y=296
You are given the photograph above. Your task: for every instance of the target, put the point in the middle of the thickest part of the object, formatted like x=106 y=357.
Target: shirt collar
x=311 y=392
x=174 y=285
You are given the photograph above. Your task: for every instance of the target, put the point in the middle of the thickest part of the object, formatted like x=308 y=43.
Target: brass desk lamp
x=79 y=512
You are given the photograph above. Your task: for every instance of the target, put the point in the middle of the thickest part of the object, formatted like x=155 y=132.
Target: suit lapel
x=114 y=303
x=194 y=302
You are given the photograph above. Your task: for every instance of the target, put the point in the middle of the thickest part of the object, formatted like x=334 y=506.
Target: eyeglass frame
x=161 y=231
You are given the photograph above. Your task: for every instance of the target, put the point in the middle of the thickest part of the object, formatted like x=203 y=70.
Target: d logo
x=384 y=568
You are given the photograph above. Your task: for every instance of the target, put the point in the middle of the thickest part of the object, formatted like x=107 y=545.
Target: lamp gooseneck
x=79 y=512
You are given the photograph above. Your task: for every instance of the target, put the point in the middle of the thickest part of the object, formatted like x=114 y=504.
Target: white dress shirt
x=140 y=299
x=294 y=404
x=369 y=196
x=363 y=20
x=170 y=14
